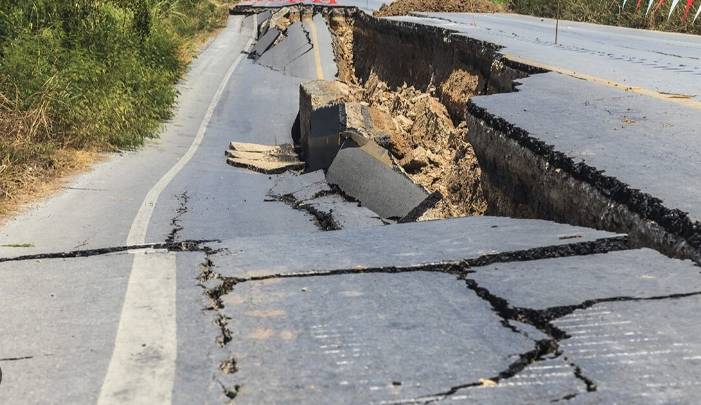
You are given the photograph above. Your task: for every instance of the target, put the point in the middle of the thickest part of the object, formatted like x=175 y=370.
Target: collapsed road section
x=461 y=119
x=622 y=163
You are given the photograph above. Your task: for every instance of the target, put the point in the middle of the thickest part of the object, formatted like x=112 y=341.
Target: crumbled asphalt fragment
x=228 y=366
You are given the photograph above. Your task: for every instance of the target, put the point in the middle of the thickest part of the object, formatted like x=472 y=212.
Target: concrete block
x=324 y=139
x=366 y=174
x=334 y=125
x=263 y=22
x=314 y=95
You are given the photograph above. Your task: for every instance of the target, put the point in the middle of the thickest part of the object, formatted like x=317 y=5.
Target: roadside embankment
x=81 y=77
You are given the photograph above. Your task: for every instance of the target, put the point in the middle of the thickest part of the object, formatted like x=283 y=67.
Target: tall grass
x=610 y=12
x=96 y=74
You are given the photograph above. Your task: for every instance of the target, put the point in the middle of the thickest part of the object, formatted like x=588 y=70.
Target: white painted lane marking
x=142 y=367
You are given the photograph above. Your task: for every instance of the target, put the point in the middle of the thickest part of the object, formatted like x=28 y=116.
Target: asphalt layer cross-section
x=267 y=305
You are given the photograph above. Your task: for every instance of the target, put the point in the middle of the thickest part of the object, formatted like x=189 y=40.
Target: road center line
x=681 y=99
x=315 y=50
x=142 y=367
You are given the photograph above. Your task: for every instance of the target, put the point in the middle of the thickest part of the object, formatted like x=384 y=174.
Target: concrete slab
x=324 y=140
x=313 y=95
x=288 y=55
x=541 y=284
x=637 y=352
x=378 y=186
x=268 y=159
x=362 y=338
x=649 y=145
x=409 y=244
x=346 y=214
x=310 y=192
x=627 y=320
x=264 y=43
x=262 y=19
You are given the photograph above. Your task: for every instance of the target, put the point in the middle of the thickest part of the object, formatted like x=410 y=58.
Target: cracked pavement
x=284 y=291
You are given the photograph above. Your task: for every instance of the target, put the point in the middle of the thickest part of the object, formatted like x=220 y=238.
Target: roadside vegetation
x=82 y=76
x=609 y=12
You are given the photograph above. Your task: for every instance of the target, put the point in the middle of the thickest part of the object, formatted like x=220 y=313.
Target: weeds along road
x=166 y=276
x=69 y=315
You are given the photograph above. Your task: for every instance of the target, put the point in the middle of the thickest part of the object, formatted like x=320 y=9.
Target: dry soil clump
x=404 y=7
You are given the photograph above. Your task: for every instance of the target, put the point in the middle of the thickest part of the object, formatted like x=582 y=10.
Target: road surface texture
x=166 y=276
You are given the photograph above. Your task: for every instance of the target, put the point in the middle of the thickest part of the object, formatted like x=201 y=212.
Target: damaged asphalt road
x=263 y=288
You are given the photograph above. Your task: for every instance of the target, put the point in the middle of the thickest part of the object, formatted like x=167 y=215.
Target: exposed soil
x=428 y=146
x=425 y=141
x=404 y=7
x=342 y=39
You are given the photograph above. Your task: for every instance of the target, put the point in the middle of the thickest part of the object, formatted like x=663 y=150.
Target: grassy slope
x=86 y=75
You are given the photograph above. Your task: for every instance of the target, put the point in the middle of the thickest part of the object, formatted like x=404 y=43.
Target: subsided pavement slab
x=657 y=61
x=649 y=145
x=401 y=245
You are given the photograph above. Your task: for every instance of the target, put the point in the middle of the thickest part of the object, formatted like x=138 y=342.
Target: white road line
x=142 y=367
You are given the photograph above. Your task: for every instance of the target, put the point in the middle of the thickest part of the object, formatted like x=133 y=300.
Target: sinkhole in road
x=425 y=78
x=425 y=97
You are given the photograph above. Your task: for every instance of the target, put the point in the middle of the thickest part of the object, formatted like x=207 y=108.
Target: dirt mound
x=404 y=7
x=428 y=146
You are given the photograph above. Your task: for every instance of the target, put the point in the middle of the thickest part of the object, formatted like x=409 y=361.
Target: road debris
x=268 y=159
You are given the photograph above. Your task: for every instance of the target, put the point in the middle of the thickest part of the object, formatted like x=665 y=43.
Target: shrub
x=95 y=74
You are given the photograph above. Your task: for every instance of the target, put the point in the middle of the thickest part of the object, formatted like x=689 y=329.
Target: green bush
x=609 y=12
x=107 y=68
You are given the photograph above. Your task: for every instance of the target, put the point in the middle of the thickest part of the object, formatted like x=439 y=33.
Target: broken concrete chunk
x=279 y=19
x=263 y=22
x=314 y=95
x=324 y=137
x=269 y=159
x=380 y=186
x=266 y=167
x=334 y=124
x=264 y=43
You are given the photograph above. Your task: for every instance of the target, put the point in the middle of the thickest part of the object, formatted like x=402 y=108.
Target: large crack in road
x=217 y=286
